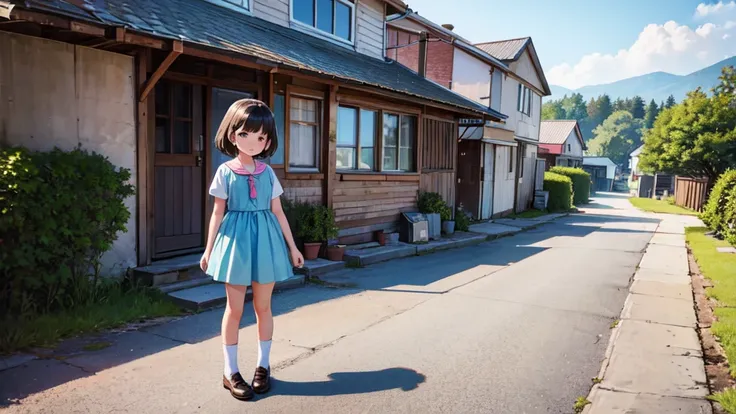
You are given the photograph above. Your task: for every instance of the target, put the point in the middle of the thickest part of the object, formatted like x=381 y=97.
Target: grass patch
x=659 y=206
x=614 y=323
x=727 y=399
x=580 y=404
x=597 y=380
x=720 y=268
x=117 y=308
x=528 y=214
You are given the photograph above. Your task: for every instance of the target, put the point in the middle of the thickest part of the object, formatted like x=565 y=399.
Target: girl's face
x=250 y=143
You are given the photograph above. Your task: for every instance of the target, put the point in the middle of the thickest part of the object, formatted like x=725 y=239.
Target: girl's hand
x=296 y=258
x=203 y=261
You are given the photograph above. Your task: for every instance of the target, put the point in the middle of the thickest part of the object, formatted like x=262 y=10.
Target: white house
x=602 y=172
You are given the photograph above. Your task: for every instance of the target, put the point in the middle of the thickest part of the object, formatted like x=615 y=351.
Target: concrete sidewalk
x=654 y=361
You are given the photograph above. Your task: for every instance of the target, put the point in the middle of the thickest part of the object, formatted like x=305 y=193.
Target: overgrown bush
x=560 y=191
x=462 y=220
x=720 y=211
x=432 y=203
x=580 y=182
x=311 y=223
x=59 y=213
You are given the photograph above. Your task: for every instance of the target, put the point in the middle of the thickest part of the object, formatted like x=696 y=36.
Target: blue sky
x=590 y=34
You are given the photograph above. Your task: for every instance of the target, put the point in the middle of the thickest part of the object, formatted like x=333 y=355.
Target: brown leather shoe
x=262 y=380
x=238 y=387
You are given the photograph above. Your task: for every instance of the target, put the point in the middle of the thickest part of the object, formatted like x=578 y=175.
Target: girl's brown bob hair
x=255 y=116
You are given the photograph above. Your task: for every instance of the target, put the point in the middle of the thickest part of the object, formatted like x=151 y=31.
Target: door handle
x=198 y=159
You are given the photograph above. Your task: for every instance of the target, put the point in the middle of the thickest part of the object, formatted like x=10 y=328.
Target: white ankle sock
x=264 y=351
x=231 y=359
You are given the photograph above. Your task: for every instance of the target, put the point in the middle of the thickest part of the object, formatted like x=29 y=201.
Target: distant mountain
x=656 y=85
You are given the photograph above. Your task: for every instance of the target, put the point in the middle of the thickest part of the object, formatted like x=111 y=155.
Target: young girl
x=247 y=246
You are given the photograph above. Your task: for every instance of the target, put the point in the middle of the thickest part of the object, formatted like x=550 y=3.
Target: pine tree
x=637 y=107
x=651 y=114
x=670 y=102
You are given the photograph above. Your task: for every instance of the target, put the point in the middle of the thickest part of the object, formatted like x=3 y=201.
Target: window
x=496 y=88
x=237 y=5
x=511 y=160
x=304 y=132
x=334 y=17
x=569 y=148
x=524 y=100
x=399 y=137
x=356 y=136
x=173 y=118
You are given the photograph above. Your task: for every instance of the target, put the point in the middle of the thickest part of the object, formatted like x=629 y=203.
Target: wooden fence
x=691 y=192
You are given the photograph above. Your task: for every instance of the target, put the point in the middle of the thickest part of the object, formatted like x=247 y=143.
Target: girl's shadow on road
x=347 y=383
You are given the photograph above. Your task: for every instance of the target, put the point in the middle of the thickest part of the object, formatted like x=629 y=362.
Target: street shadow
x=419 y=274
x=350 y=383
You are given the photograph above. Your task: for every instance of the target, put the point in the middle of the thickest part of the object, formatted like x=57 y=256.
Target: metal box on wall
x=413 y=228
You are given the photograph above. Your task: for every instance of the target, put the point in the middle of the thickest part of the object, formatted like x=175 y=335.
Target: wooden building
x=146 y=83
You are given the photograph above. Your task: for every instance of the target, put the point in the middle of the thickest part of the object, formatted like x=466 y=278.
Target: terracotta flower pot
x=311 y=250
x=335 y=253
x=381 y=236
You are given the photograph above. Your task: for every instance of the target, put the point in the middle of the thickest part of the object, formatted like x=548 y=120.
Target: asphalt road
x=517 y=325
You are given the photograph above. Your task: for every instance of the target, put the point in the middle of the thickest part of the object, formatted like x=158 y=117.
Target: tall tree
x=670 y=102
x=574 y=107
x=617 y=137
x=619 y=105
x=604 y=107
x=651 y=115
x=637 y=107
x=696 y=137
x=552 y=110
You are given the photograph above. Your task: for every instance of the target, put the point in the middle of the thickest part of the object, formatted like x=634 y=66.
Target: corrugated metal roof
x=598 y=161
x=555 y=132
x=504 y=49
x=204 y=23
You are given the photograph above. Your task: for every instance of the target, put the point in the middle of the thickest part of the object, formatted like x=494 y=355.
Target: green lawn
x=659 y=206
x=721 y=269
x=118 y=308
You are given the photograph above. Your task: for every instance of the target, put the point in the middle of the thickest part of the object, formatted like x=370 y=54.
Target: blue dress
x=249 y=246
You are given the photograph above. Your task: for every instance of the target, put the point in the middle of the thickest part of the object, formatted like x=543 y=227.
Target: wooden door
x=178 y=170
x=469 y=176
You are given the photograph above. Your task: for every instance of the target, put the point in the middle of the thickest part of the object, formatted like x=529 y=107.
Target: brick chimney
x=448 y=26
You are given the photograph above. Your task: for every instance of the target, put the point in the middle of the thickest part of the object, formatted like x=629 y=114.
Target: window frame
x=414 y=148
x=240 y=9
x=307 y=94
x=314 y=30
x=524 y=99
x=358 y=148
x=172 y=118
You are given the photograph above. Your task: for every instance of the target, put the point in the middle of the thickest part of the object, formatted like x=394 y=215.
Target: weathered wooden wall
x=362 y=207
x=439 y=158
x=503 y=190
x=57 y=94
x=691 y=192
x=526 y=187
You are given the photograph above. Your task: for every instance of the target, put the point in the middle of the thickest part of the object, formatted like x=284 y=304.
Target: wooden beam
x=147 y=41
x=88 y=29
x=224 y=58
x=330 y=152
x=176 y=49
x=142 y=163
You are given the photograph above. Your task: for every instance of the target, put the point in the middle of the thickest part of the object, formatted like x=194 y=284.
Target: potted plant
x=335 y=252
x=437 y=211
x=316 y=226
x=381 y=237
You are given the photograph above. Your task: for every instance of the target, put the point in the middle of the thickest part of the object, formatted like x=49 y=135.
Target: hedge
x=560 y=191
x=580 y=183
x=60 y=211
x=720 y=211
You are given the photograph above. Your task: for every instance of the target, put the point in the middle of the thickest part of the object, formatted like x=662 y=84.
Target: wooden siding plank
x=377 y=190
x=197 y=200
x=367 y=202
x=187 y=204
x=168 y=190
x=179 y=200
x=374 y=215
x=160 y=213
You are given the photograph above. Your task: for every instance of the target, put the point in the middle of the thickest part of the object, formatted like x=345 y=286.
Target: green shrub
x=720 y=211
x=462 y=220
x=59 y=213
x=560 y=191
x=311 y=223
x=432 y=203
x=580 y=182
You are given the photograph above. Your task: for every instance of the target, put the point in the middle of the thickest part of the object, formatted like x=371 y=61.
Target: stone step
x=169 y=271
x=363 y=257
x=213 y=294
x=185 y=284
x=319 y=267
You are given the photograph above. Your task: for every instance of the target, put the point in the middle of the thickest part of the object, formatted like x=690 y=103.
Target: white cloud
x=669 y=47
x=708 y=9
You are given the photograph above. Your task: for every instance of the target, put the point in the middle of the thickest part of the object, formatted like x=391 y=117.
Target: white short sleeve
x=219 y=187
x=277 y=188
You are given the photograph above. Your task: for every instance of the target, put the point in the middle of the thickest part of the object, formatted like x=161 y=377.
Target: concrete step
x=319 y=267
x=213 y=294
x=494 y=230
x=458 y=239
x=185 y=284
x=169 y=271
x=363 y=257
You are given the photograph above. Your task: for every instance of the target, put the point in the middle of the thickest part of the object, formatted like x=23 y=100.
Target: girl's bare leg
x=230 y=323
